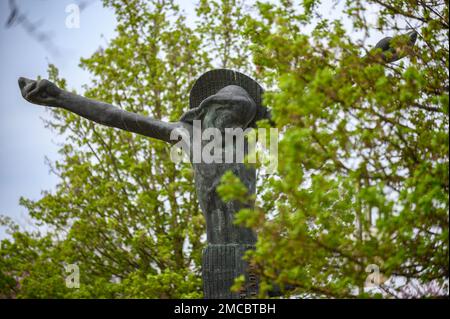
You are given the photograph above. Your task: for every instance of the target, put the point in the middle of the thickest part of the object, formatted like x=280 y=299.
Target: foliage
x=363 y=160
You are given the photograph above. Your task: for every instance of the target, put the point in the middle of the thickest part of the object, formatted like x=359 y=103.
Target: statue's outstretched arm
x=44 y=92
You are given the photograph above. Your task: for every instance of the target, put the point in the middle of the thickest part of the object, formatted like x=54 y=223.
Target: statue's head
x=225 y=99
x=230 y=107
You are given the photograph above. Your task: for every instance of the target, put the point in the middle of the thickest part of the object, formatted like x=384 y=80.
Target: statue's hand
x=389 y=53
x=42 y=92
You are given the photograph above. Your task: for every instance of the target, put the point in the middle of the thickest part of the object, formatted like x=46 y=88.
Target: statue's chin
x=230 y=126
x=227 y=122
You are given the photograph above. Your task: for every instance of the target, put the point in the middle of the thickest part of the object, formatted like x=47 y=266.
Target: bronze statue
x=219 y=99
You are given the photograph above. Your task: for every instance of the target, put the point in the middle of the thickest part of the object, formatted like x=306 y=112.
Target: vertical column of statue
x=224 y=99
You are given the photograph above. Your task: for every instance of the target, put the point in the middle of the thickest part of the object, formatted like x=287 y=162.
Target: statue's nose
x=23 y=82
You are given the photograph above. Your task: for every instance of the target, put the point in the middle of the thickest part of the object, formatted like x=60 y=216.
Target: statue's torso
x=219 y=215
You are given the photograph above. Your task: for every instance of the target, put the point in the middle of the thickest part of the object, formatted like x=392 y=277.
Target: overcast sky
x=24 y=141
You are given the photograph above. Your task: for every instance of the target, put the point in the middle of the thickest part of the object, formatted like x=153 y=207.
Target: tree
x=361 y=193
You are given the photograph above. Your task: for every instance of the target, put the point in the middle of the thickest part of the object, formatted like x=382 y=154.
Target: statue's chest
x=208 y=176
x=209 y=173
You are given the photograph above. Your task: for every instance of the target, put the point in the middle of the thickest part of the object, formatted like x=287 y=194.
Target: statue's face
x=224 y=115
x=230 y=107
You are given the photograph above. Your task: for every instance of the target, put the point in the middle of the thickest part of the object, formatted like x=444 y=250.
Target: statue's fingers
x=31 y=90
x=24 y=85
x=23 y=81
x=384 y=44
x=412 y=37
